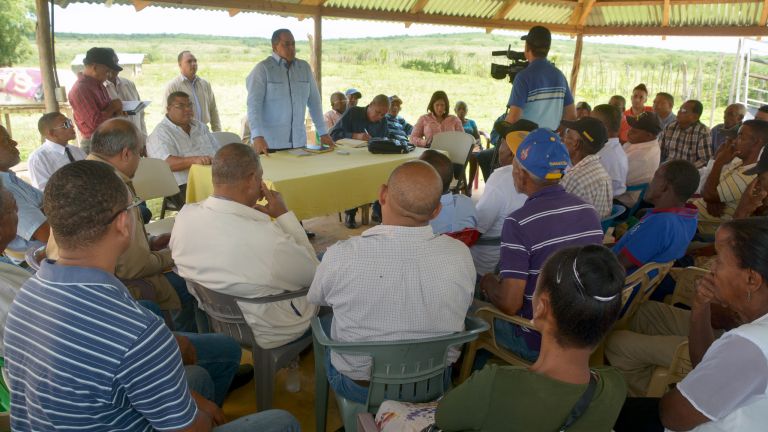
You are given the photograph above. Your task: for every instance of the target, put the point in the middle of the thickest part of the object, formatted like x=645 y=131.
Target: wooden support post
x=576 y=63
x=46 y=55
x=318 y=49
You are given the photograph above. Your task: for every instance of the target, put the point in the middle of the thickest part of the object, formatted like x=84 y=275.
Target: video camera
x=518 y=63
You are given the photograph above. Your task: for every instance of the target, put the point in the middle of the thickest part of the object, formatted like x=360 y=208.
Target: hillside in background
x=411 y=67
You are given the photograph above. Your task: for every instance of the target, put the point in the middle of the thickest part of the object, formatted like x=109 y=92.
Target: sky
x=152 y=20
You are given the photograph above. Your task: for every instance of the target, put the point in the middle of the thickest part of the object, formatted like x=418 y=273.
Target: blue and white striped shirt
x=83 y=355
x=541 y=91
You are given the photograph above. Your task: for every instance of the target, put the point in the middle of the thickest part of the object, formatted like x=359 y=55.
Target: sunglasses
x=66 y=125
x=135 y=203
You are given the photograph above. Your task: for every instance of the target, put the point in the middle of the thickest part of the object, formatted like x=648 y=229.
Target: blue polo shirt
x=355 y=120
x=29 y=201
x=662 y=235
x=550 y=220
x=457 y=213
x=541 y=91
x=82 y=355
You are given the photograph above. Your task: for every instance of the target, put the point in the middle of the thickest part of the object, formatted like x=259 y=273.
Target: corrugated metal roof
x=720 y=17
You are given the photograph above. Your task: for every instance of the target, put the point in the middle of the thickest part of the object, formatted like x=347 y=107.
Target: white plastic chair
x=457 y=145
x=154 y=179
x=224 y=138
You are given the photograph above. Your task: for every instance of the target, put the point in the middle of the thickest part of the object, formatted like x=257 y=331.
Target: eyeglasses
x=66 y=125
x=683 y=110
x=135 y=203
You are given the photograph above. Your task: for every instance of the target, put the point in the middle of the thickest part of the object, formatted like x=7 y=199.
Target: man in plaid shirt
x=687 y=138
x=587 y=178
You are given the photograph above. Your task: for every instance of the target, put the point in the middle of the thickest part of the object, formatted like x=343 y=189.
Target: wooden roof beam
x=419 y=6
x=233 y=12
x=313 y=2
x=139 y=5
x=763 y=14
x=576 y=13
x=375 y=15
x=585 y=11
x=505 y=9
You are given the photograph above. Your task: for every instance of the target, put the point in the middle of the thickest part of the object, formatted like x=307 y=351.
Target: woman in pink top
x=438 y=120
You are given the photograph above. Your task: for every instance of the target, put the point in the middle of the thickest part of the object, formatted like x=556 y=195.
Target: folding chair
x=154 y=179
x=457 y=145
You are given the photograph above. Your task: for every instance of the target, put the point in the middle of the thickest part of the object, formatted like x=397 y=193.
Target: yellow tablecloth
x=316 y=185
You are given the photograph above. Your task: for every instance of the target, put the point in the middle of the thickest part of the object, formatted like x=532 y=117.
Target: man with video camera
x=540 y=92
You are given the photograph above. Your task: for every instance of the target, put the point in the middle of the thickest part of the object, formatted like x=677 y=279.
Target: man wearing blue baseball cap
x=550 y=219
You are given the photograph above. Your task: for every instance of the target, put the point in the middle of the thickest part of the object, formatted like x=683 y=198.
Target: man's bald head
x=413 y=191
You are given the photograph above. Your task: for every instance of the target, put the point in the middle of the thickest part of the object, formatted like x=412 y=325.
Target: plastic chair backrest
x=225 y=315
x=224 y=138
x=616 y=211
x=456 y=144
x=411 y=370
x=643 y=282
x=154 y=179
x=685 y=284
x=642 y=187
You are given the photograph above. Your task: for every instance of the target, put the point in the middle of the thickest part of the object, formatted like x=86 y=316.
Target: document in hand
x=135 y=107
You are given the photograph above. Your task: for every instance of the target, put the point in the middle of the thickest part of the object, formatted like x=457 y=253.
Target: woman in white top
x=728 y=387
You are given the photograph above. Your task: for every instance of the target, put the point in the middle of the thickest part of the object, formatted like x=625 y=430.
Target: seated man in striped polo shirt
x=81 y=353
x=550 y=219
x=730 y=176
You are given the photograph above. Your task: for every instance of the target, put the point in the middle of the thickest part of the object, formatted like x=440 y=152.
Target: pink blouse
x=428 y=126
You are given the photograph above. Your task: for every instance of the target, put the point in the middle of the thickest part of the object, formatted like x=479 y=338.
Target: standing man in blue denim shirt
x=280 y=88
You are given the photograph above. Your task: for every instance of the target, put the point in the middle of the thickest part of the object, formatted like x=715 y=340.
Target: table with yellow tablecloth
x=319 y=184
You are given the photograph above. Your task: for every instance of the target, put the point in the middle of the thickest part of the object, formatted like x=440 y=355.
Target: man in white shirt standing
x=397 y=281
x=198 y=89
x=612 y=156
x=181 y=140
x=228 y=240
x=55 y=152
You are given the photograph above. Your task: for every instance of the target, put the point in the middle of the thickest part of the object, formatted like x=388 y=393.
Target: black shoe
x=349 y=221
x=243 y=376
x=310 y=234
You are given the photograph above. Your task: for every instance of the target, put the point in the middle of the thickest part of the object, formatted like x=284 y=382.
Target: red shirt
x=88 y=98
x=625 y=126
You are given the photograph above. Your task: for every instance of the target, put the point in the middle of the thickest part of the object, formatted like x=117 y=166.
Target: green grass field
x=411 y=67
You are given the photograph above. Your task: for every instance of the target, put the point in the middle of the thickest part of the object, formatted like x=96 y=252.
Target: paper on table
x=354 y=143
x=135 y=107
x=300 y=152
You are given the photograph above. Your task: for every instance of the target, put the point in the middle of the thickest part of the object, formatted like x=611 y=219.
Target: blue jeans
x=218 y=356
x=507 y=337
x=265 y=421
x=343 y=385
x=190 y=318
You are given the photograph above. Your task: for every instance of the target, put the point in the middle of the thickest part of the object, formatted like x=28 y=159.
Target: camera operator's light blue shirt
x=278 y=95
x=541 y=91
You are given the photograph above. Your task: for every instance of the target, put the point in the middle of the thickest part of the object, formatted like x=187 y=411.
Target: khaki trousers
x=651 y=340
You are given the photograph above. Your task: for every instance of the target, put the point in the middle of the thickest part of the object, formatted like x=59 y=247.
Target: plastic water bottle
x=293 y=379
